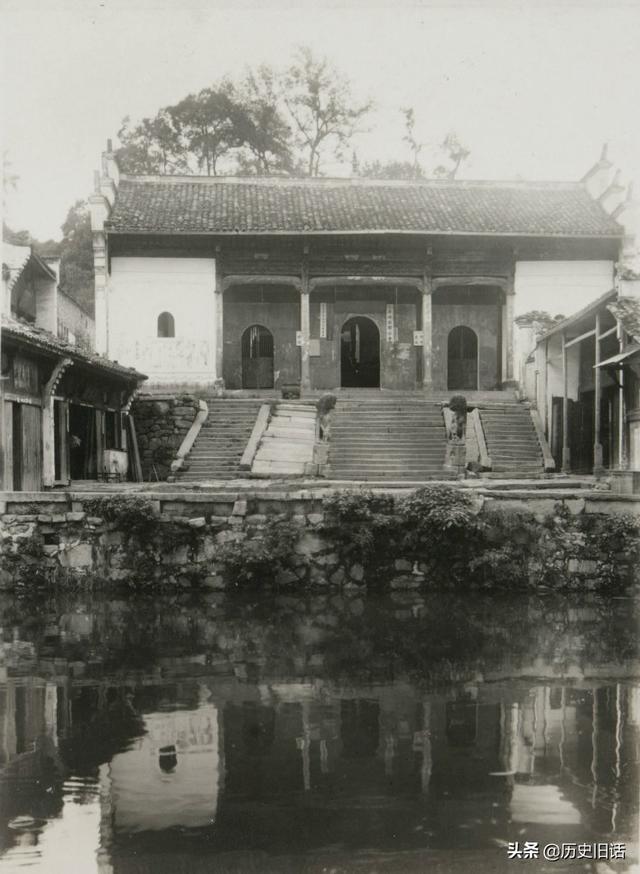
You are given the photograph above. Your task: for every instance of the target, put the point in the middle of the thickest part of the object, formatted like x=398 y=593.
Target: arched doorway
x=257 y=357
x=462 y=359
x=360 y=353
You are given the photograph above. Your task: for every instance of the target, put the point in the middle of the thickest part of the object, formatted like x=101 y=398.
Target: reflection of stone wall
x=162 y=422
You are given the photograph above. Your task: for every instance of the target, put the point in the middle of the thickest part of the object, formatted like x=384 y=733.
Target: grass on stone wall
x=441 y=529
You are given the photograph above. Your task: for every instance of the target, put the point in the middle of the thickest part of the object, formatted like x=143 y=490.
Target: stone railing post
x=456 y=422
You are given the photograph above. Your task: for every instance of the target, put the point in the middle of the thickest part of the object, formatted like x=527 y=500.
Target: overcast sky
x=532 y=88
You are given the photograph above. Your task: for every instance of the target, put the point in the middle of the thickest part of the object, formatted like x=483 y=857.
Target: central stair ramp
x=287 y=445
x=374 y=438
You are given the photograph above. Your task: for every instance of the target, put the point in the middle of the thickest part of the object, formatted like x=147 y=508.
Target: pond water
x=332 y=733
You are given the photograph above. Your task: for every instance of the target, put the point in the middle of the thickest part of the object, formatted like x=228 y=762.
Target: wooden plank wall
x=31 y=448
x=7 y=446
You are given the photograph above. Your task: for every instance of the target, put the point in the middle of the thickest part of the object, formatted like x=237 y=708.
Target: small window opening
x=166 y=325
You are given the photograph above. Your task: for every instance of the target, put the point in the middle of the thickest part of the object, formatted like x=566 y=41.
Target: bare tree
x=455 y=152
x=322 y=109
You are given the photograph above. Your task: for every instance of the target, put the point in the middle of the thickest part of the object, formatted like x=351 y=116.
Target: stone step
x=219 y=446
x=372 y=476
x=272 y=450
x=391 y=464
x=278 y=467
x=299 y=424
x=372 y=452
x=295 y=412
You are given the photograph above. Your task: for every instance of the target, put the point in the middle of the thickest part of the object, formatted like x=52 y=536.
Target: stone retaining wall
x=59 y=537
x=162 y=422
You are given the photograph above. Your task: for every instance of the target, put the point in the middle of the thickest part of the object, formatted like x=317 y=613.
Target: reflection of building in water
x=294 y=764
x=170 y=776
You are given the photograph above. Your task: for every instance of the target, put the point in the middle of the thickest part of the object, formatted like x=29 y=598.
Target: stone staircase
x=377 y=438
x=222 y=439
x=287 y=445
x=512 y=442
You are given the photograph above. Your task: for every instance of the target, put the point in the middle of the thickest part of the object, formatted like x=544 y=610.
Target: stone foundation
x=162 y=422
x=60 y=537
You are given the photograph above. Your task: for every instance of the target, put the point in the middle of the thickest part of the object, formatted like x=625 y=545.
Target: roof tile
x=267 y=205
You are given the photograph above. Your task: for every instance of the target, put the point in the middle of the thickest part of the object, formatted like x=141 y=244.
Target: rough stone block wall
x=69 y=538
x=162 y=422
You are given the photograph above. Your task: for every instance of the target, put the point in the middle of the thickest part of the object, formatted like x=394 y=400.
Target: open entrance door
x=462 y=359
x=257 y=357
x=360 y=354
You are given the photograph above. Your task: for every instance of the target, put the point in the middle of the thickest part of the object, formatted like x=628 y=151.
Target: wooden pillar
x=305 y=330
x=48 y=421
x=427 y=334
x=507 y=339
x=566 y=452
x=622 y=443
x=219 y=319
x=48 y=441
x=597 y=424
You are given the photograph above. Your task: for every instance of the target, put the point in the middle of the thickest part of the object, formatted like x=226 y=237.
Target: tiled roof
x=627 y=310
x=44 y=340
x=16 y=258
x=174 y=204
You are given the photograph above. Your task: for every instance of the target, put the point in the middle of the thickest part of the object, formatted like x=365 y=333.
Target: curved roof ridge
x=343 y=181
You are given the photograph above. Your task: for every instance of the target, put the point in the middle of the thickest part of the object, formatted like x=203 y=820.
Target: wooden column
x=427 y=334
x=597 y=425
x=305 y=330
x=48 y=420
x=507 y=339
x=566 y=452
x=622 y=443
x=219 y=319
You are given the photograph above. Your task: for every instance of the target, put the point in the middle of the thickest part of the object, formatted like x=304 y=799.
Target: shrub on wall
x=362 y=524
x=260 y=558
x=133 y=515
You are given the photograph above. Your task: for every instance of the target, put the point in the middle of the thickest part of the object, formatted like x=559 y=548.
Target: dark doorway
x=17 y=447
x=257 y=357
x=462 y=359
x=82 y=442
x=360 y=353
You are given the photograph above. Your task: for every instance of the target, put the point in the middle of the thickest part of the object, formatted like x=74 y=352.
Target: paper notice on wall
x=323 y=320
x=390 y=323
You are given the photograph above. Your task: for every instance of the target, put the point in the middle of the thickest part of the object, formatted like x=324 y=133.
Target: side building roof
x=45 y=342
x=277 y=205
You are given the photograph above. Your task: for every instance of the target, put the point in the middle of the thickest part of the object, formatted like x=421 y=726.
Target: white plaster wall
x=47 y=305
x=560 y=287
x=142 y=288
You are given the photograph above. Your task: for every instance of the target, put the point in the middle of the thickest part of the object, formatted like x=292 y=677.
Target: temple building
x=257 y=283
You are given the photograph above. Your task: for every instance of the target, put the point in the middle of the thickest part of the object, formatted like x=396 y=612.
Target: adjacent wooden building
x=62 y=407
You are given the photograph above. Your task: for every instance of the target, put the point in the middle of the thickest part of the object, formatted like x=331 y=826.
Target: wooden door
x=257 y=358
x=462 y=359
x=7 y=447
x=31 y=438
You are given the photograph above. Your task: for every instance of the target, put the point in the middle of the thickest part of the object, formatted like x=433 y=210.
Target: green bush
x=134 y=515
x=363 y=525
x=260 y=558
x=438 y=526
